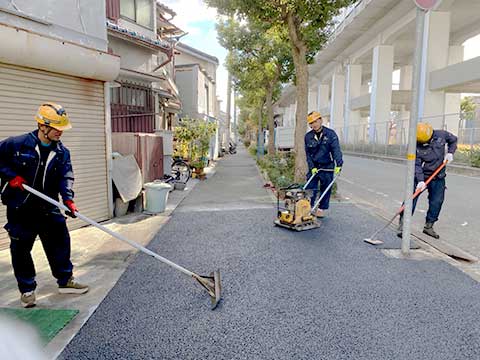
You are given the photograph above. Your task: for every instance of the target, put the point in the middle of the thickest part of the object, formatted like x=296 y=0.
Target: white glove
x=421 y=185
x=448 y=158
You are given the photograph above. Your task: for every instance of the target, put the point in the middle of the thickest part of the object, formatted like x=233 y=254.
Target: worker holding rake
x=431 y=154
x=324 y=158
x=40 y=160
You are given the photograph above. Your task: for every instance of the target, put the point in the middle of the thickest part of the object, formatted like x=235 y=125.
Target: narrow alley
x=318 y=294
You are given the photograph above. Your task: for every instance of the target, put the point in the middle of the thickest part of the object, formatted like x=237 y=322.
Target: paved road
x=382 y=184
x=321 y=294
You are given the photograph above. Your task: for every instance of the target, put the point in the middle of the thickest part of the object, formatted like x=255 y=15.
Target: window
x=127 y=8
x=140 y=11
x=207 y=103
x=144 y=12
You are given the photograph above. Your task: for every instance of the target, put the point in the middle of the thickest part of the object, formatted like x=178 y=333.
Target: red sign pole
x=426 y=4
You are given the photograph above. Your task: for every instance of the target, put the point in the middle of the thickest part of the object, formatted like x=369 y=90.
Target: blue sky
x=199 y=21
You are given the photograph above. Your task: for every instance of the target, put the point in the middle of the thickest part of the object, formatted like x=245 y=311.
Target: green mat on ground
x=47 y=322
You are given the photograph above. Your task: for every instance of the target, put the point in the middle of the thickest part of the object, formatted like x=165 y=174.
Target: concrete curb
x=455 y=169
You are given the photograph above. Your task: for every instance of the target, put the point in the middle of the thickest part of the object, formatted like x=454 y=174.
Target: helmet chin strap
x=45 y=133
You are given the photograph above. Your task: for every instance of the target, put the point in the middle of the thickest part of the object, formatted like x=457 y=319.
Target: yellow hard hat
x=53 y=115
x=313 y=116
x=424 y=132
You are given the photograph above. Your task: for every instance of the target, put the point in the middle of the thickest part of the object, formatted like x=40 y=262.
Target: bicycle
x=180 y=173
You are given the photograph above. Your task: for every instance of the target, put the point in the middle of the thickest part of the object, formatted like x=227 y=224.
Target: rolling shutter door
x=22 y=90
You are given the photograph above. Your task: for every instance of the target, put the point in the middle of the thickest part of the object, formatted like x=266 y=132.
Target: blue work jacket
x=20 y=156
x=323 y=152
x=432 y=154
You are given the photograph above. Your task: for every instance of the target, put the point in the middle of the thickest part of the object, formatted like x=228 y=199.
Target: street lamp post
x=422 y=7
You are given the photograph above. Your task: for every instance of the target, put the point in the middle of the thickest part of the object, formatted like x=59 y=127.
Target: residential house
x=145 y=99
x=195 y=76
x=53 y=51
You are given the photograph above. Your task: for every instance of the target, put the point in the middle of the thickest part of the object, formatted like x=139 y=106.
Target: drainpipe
x=108 y=146
x=170 y=54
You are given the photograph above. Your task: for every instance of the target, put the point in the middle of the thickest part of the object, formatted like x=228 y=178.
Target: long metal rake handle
x=324 y=193
x=110 y=232
x=414 y=195
x=313 y=175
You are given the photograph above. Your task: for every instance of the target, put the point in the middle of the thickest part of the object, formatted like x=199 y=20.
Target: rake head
x=212 y=284
x=373 y=241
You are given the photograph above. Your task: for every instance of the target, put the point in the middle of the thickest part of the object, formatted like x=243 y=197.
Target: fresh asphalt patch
x=318 y=294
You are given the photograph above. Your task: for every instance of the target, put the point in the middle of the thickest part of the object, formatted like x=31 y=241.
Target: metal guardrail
x=390 y=138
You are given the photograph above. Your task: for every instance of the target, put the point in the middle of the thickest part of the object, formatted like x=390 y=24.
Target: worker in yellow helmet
x=324 y=158
x=40 y=160
x=433 y=148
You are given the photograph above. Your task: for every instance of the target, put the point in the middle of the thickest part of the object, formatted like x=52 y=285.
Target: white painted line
x=465 y=223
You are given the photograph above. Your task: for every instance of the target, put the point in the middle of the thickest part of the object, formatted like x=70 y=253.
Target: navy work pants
x=436 y=195
x=23 y=226
x=324 y=178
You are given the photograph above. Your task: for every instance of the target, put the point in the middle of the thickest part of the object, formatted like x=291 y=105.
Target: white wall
x=83 y=24
x=133 y=57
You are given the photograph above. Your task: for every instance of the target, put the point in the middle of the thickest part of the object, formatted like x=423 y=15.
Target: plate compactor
x=294 y=211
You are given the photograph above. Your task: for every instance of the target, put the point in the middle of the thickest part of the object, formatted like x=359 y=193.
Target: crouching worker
x=431 y=146
x=40 y=160
x=324 y=158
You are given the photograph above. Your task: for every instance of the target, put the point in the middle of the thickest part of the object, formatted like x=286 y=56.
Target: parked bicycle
x=180 y=173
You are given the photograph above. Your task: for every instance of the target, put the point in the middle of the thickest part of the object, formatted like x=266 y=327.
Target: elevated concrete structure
x=352 y=76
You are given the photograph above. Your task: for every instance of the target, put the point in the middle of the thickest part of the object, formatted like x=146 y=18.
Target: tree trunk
x=271 y=125
x=260 y=150
x=299 y=51
x=229 y=92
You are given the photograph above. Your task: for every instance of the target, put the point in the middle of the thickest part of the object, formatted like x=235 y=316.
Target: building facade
x=195 y=76
x=53 y=51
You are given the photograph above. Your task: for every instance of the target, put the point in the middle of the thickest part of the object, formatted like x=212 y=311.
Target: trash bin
x=156 y=194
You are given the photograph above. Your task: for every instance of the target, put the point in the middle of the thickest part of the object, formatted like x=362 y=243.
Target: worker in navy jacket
x=433 y=148
x=40 y=160
x=324 y=158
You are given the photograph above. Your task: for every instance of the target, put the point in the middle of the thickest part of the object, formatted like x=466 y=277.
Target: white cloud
x=190 y=12
x=196 y=18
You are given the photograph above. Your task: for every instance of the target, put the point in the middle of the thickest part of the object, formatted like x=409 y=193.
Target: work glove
x=337 y=170
x=17 y=182
x=314 y=171
x=448 y=158
x=421 y=185
x=71 y=207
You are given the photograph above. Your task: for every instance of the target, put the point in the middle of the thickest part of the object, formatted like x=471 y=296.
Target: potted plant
x=198 y=166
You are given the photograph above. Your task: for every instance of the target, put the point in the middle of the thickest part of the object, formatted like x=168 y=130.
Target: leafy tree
x=259 y=59
x=308 y=24
x=468 y=107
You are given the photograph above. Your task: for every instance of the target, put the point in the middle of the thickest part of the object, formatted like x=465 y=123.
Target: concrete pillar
x=353 y=89
x=337 y=102
x=436 y=38
x=312 y=100
x=323 y=96
x=406 y=77
x=453 y=101
x=381 y=96
x=291 y=118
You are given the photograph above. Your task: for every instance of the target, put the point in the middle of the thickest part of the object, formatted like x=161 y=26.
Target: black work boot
x=400 y=228
x=428 y=229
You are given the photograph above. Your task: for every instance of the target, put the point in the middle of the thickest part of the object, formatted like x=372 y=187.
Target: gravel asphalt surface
x=319 y=294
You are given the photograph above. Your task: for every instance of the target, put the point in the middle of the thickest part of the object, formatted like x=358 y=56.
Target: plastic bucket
x=156 y=196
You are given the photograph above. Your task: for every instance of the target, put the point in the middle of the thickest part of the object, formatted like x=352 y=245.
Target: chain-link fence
x=391 y=138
